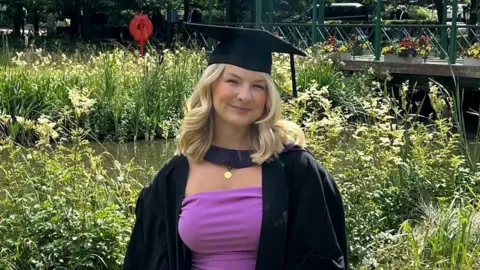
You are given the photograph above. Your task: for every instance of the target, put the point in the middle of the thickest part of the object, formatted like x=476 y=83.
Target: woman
x=238 y=194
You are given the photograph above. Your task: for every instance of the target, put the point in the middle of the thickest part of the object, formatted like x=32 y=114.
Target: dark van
x=334 y=11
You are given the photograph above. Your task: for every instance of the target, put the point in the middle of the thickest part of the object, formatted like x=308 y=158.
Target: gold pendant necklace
x=228 y=173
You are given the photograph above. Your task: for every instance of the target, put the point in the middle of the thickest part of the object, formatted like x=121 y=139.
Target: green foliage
x=448 y=237
x=386 y=165
x=421 y=13
x=62 y=208
x=113 y=94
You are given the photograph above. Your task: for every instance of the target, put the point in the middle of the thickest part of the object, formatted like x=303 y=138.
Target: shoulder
x=304 y=167
x=302 y=158
x=150 y=197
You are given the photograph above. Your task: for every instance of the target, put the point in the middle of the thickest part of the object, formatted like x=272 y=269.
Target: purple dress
x=222 y=228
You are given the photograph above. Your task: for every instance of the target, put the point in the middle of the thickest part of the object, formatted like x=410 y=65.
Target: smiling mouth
x=241 y=109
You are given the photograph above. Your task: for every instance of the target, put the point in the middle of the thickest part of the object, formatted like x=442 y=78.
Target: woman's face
x=239 y=96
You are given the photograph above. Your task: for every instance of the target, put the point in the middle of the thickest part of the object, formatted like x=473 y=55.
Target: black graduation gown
x=303 y=220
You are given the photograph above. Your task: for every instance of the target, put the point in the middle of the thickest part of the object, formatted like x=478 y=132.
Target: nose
x=244 y=94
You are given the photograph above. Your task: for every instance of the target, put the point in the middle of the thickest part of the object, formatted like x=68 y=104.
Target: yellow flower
x=343 y=48
x=387 y=50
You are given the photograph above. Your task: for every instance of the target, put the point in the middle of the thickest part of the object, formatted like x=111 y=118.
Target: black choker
x=229 y=157
x=235 y=158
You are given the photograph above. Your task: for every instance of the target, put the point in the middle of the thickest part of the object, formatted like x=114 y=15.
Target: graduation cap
x=247 y=48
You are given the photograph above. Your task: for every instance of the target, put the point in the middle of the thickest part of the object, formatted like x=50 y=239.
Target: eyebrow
x=238 y=77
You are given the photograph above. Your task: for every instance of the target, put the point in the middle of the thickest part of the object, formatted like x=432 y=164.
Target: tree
x=439 y=8
x=473 y=12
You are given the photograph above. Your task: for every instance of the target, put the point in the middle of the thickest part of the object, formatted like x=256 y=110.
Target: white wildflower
x=20 y=120
x=80 y=100
x=5 y=119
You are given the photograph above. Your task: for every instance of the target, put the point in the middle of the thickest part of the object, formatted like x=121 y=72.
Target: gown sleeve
x=135 y=248
x=337 y=213
x=318 y=237
x=147 y=243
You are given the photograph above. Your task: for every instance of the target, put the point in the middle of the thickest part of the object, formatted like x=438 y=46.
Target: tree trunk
x=87 y=26
x=186 y=3
x=472 y=21
x=74 y=13
x=17 y=18
x=252 y=11
x=473 y=12
x=439 y=7
x=233 y=8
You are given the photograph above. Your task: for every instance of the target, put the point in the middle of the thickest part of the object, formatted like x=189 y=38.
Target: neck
x=231 y=137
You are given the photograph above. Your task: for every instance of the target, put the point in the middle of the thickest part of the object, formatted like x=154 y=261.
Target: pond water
x=144 y=154
x=155 y=153
x=146 y=157
x=149 y=156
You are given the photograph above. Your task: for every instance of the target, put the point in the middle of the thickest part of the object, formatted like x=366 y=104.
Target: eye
x=258 y=86
x=232 y=81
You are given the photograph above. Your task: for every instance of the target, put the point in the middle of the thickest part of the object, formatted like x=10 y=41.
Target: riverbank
x=117 y=96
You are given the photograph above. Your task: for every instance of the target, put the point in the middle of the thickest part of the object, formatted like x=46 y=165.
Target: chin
x=240 y=121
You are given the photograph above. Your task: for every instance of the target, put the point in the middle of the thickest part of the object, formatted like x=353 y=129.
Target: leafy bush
x=422 y=13
x=114 y=95
x=447 y=237
x=64 y=207
x=386 y=165
x=317 y=69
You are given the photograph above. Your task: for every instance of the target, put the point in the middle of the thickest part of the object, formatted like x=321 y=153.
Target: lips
x=241 y=109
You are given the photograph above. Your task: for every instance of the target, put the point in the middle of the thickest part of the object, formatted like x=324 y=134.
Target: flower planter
x=471 y=61
x=360 y=52
x=345 y=56
x=332 y=56
x=392 y=58
x=357 y=52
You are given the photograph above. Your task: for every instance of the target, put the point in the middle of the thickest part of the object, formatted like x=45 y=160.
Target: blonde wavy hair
x=268 y=135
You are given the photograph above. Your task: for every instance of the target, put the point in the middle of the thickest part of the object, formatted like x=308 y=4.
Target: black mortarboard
x=247 y=48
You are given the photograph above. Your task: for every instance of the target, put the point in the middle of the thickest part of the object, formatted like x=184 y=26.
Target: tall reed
x=114 y=94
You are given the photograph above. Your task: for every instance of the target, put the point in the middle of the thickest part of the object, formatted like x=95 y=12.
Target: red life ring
x=140 y=28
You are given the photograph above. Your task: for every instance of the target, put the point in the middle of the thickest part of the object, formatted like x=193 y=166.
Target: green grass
x=114 y=94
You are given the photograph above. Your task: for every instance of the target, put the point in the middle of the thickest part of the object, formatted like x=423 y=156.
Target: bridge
x=446 y=56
